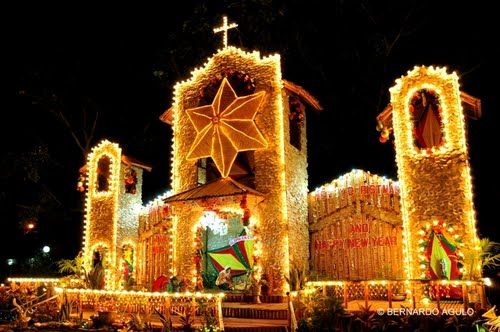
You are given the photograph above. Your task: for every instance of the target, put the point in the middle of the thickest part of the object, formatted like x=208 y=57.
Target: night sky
x=122 y=64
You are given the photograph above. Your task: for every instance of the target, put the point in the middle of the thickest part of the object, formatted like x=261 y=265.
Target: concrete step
x=254 y=325
x=255 y=311
x=238 y=297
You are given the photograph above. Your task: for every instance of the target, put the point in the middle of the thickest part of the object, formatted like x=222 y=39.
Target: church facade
x=239 y=194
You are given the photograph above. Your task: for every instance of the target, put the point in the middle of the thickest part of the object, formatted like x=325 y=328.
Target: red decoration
x=82 y=180
x=166 y=210
x=425 y=108
x=246 y=211
x=243 y=203
x=130 y=181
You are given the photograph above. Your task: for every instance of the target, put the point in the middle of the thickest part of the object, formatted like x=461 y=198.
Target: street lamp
x=46 y=249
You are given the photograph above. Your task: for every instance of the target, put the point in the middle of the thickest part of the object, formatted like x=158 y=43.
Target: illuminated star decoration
x=226 y=127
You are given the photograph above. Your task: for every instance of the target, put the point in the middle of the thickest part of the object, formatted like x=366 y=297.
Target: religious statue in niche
x=96 y=276
x=127 y=266
x=130 y=181
x=103 y=173
x=425 y=109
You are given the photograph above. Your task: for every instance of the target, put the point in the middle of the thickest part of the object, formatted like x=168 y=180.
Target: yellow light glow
x=325 y=283
x=137 y=294
x=443 y=170
x=274 y=257
x=102 y=205
x=226 y=127
x=347 y=193
x=224 y=28
x=312 y=286
x=33 y=280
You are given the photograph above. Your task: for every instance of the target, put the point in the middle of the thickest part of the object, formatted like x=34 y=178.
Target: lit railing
x=34 y=280
x=414 y=291
x=169 y=304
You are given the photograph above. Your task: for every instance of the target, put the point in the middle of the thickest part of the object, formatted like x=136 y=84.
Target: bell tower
x=439 y=231
x=235 y=122
x=113 y=199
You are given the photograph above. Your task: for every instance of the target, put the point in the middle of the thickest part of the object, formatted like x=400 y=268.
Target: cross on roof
x=224 y=28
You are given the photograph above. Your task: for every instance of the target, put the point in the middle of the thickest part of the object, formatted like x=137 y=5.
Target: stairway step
x=254 y=325
x=256 y=329
x=229 y=297
x=236 y=297
x=254 y=313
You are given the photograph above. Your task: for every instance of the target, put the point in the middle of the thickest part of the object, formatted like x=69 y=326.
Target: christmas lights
x=435 y=181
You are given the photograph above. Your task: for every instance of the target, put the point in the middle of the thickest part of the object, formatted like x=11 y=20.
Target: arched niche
x=103 y=174
x=425 y=110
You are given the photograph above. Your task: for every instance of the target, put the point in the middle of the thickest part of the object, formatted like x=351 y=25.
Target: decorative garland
x=246 y=211
x=385 y=132
x=422 y=98
x=82 y=182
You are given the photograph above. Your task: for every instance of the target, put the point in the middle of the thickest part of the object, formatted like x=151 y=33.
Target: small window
x=206 y=171
x=425 y=109
x=202 y=171
x=243 y=169
x=103 y=173
x=296 y=120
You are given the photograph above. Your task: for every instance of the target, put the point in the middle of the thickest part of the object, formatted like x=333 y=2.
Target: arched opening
x=223 y=241
x=103 y=173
